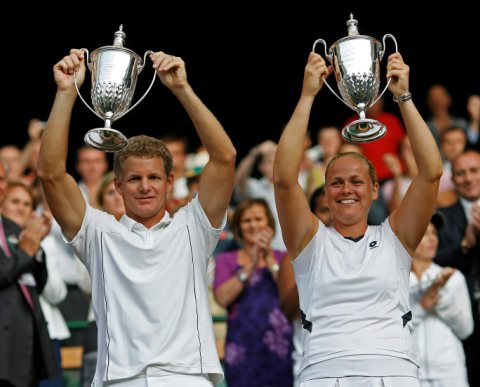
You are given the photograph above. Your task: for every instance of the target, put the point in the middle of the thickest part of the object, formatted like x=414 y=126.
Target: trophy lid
x=116 y=47
x=119 y=37
x=353 y=35
x=352 y=26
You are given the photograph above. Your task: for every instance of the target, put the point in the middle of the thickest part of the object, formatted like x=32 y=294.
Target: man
x=460 y=244
x=91 y=166
x=26 y=353
x=148 y=270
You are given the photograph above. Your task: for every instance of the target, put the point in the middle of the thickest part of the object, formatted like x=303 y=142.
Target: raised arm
x=297 y=221
x=410 y=220
x=61 y=190
x=245 y=167
x=216 y=183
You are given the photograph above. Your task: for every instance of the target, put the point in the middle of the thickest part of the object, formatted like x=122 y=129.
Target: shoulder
x=227 y=256
x=10 y=226
x=386 y=231
x=450 y=210
x=453 y=214
x=95 y=219
x=279 y=254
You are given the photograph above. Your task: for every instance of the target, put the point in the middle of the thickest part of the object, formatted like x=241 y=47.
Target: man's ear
x=118 y=185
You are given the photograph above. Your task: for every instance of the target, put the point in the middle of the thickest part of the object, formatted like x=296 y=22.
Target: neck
x=351 y=230
x=147 y=222
x=92 y=188
x=420 y=265
x=250 y=249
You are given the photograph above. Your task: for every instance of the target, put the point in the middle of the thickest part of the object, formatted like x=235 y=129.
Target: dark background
x=246 y=64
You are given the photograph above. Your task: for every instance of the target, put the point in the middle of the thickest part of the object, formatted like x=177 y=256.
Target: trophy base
x=106 y=139
x=366 y=130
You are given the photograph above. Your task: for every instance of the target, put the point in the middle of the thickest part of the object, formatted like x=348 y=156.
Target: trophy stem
x=361 y=111
x=108 y=119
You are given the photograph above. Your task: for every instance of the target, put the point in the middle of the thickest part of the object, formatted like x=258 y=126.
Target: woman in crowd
x=259 y=336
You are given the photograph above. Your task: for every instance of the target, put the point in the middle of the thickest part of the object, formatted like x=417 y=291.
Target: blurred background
x=246 y=64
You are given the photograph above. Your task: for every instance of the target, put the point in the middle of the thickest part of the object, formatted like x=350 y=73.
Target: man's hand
x=170 y=70
x=64 y=69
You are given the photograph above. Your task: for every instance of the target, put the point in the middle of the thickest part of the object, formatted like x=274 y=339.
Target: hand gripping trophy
x=356 y=64
x=114 y=76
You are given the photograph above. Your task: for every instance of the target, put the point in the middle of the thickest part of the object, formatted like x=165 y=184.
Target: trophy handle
x=330 y=59
x=380 y=54
x=142 y=65
x=139 y=69
x=76 y=85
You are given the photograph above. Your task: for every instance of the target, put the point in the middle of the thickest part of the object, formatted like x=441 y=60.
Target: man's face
x=453 y=143
x=466 y=175
x=91 y=165
x=179 y=155
x=144 y=186
x=11 y=155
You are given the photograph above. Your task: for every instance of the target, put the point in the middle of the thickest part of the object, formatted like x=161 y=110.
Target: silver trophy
x=356 y=64
x=114 y=76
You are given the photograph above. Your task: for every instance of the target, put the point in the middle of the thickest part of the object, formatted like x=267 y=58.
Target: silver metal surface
x=356 y=64
x=115 y=72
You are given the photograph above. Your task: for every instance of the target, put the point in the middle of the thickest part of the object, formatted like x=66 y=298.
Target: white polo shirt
x=150 y=292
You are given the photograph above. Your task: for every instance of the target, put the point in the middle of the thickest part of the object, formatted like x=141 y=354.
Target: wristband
x=403 y=98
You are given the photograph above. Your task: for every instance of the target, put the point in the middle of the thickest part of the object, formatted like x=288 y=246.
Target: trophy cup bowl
x=115 y=72
x=356 y=65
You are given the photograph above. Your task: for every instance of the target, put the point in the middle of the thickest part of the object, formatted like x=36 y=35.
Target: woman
x=18 y=205
x=108 y=199
x=353 y=278
x=442 y=315
x=259 y=336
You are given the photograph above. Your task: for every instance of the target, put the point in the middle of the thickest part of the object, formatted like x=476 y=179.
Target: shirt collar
x=133 y=225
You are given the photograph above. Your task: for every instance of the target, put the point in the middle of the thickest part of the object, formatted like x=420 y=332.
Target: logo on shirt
x=307 y=325
x=373 y=245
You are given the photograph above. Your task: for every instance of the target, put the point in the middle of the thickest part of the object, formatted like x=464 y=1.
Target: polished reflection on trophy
x=356 y=65
x=114 y=71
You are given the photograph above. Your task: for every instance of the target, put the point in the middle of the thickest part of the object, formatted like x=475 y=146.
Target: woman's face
x=17 y=205
x=253 y=220
x=427 y=248
x=350 y=190
x=112 y=201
